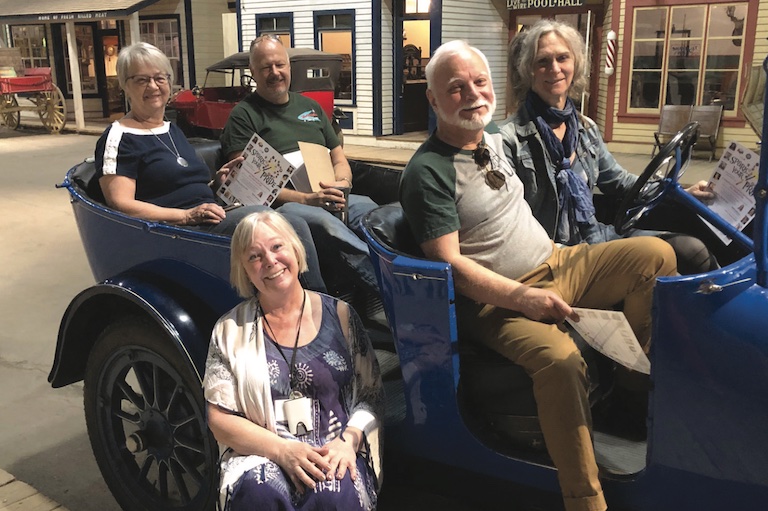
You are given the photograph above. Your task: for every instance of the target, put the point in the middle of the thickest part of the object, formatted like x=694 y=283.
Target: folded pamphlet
x=609 y=333
x=258 y=179
x=733 y=181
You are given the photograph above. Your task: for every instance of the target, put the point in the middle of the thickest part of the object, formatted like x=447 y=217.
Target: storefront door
x=412 y=40
x=112 y=97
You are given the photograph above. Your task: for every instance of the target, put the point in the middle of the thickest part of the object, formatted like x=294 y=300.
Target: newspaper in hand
x=258 y=179
x=733 y=182
x=609 y=333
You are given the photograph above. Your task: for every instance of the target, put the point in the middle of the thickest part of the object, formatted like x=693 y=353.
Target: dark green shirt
x=301 y=119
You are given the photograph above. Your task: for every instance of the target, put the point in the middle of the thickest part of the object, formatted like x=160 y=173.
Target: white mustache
x=476 y=105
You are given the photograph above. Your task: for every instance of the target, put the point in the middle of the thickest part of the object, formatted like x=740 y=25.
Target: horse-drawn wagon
x=38 y=93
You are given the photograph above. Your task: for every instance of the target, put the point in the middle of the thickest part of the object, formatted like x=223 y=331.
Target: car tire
x=146 y=421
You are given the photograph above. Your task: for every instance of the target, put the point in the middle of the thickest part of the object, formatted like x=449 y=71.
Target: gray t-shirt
x=443 y=190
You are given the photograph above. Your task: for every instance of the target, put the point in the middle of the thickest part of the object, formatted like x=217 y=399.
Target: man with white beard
x=465 y=206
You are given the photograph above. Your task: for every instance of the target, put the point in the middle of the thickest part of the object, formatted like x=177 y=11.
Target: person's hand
x=342 y=456
x=207 y=213
x=224 y=171
x=303 y=463
x=339 y=183
x=329 y=199
x=543 y=305
x=702 y=191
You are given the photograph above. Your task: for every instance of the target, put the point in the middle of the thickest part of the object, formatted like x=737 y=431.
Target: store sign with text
x=542 y=4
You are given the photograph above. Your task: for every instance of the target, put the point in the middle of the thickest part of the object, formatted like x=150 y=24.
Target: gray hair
x=451 y=49
x=242 y=239
x=269 y=38
x=522 y=53
x=141 y=53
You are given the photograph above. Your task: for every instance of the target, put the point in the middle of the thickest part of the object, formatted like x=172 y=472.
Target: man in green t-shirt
x=283 y=119
x=465 y=205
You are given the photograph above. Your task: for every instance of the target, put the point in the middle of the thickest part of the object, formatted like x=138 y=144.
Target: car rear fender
x=91 y=311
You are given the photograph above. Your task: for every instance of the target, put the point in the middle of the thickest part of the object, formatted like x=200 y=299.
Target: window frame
x=262 y=18
x=730 y=117
x=180 y=77
x=32 y=59
x=316 y=15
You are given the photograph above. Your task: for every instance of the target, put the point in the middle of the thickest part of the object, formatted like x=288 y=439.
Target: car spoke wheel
x=146 y=421
x=10 y=118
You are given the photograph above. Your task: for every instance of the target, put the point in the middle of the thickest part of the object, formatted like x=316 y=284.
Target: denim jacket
x=526 y=152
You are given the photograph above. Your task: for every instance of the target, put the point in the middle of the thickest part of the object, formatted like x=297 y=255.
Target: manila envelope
x=317 y=164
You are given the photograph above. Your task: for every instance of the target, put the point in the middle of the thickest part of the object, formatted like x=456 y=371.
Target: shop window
x=164 y=33
x=279 y=25
x=416 y=6
x=85 y=57
x=334 y=33
x=686 y=55
x=33 y=43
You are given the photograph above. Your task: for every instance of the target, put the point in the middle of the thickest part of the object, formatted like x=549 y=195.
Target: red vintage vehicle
x=46 y=99
x=202 y=112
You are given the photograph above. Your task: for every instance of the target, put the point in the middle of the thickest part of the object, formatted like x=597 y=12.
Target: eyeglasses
x=143 y=80
x=482 y=157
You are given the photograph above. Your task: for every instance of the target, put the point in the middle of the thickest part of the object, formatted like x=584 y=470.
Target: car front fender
x=186 y=321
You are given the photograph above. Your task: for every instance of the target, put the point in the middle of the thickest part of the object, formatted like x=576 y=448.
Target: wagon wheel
x=52 y=109
x=10 y=118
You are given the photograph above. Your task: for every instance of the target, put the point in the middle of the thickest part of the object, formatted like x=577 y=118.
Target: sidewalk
x=18 y=496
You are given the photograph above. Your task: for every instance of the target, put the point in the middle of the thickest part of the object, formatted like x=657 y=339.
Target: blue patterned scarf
x=575 y=197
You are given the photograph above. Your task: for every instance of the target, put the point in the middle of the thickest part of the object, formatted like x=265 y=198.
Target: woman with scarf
x=560 y=155
x=293 y=388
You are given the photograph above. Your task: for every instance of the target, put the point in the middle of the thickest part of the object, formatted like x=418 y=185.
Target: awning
x=60 y=11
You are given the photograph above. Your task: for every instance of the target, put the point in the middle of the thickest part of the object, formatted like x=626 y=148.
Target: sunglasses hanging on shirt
x=494 y=178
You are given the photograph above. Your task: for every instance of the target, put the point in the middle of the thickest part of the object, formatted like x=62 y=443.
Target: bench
x=708 y=117
x=674 y=117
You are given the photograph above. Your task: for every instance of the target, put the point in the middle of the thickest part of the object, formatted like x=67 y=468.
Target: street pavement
x=43 y=441
x=45 y=456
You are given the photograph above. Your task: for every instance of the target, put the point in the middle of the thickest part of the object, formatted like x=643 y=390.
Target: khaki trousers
x=595 y=276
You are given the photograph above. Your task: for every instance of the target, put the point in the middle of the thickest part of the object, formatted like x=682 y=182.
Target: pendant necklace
x=179 y=158
x=293 y=376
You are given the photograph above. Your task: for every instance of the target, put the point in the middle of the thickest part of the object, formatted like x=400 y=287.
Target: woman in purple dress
x=292 y=383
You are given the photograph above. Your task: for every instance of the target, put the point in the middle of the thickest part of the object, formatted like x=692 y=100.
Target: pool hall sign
x=542 y=4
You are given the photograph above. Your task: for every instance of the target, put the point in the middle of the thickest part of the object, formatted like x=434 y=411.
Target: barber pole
x=610 y=55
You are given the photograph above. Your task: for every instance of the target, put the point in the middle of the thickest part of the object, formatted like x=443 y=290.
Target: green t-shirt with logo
x=301 y=119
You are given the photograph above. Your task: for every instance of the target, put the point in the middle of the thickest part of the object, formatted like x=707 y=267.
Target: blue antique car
x=458 y=420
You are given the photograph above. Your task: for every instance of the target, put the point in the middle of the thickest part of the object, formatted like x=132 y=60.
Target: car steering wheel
x=661 y=175
x=247 y=81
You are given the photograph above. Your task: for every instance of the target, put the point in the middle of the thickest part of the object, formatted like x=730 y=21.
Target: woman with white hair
x=149 y=170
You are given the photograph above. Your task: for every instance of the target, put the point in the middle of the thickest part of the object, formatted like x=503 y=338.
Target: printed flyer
x=610 y=334
x=258 y=178
x=733 y=182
